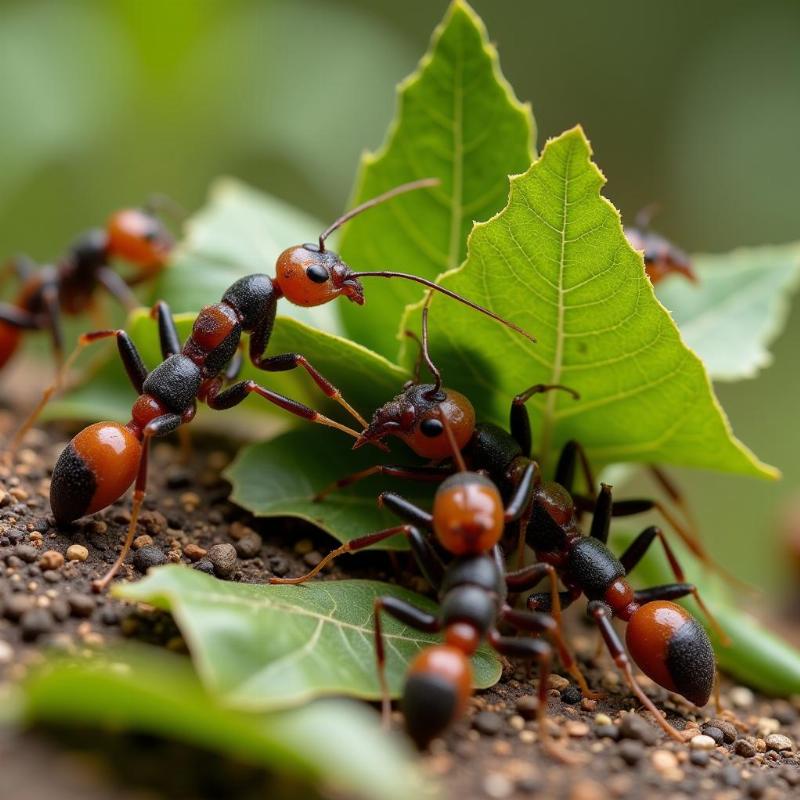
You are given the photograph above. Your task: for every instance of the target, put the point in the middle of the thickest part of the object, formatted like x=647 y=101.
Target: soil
x=492 y=753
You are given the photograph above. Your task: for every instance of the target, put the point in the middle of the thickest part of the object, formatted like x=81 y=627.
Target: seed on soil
x=36 y=622
x=249 y=546
x=713 y=733
x=602 y=719
x=223 y=558
x=729 y=732
x=148 y=557
x=571 y=695
x=204 y=565
x=145 y=540
x=632 y=726
x=744 y=748
x=194 y=552
x=488 y=723
x=81 y=605
x=779 y=742
x=51 y=559
x=702 y=742
x=77 y=552
x=557 y=682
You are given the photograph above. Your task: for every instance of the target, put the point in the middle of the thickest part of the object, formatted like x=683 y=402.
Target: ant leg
x=519 y=420
x=233 y=395
x=167 y=332
x=157 y=427
x=52 y=307
x=528 y=577
x=634 y=554
x=21 y=266
x=520 y=501
x=602 y=617
x=602 y=513
x=434 y=474
x=673 y=491
x=113 y=283
x=288 y=361
x=571 y=454
x=131 y=360
x=234 y=367
x=408 y=614
x=405 y=509
x=19 y=318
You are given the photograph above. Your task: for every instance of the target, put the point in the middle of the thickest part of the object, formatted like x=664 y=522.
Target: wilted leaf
x=280 y=478
x=330 y=744
x=265 y=647
x=555 y=261
x=458 y=120
x=738 y=308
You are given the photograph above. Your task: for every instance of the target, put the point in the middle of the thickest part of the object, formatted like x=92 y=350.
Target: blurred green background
x=693 y=106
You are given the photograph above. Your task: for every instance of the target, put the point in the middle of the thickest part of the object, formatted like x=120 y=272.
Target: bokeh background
x=693 y=106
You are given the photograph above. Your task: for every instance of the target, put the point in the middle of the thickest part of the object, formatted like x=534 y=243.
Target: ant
x=101 y=462
x=467 y=522
x=661 y=257
x=134 y=235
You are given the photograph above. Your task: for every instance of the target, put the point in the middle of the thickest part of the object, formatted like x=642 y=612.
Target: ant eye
x=317 y=273
x=431 y=427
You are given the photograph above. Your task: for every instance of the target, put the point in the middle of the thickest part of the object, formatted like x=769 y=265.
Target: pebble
x=51 y=559
x=664 y=761
x=586 y=789
x=249 y=546
x=713 y=733
x=699 y=758
x=223 y=558
x=36 y=622
x=790 y=774
x=703 y=742
x=744 y=748
x=632 y=726
x=488 y=723
x=204 y=565
x=741 y=697
x=607 y=732
x=728 y=730
x=756 y=786
x=602 y=719
x=631 y=751
x=557 y=682
x=51 y=576
x=77 y=552
x=26 y=553
x=779 y=742
x=81 y=605
x=17 y=605
x=528 y=706
x=497 y=786
x=767 y=725
x=730 y=776
x=6 y=652
x=145 y=540
x=571 y=695
x=59 y=608
x=148 y=557
x=194 y=552
x=576 y=729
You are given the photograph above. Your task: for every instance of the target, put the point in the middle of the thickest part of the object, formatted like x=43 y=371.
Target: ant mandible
x=134 y=235
x=467 y=522
x=102 y=461
x=661 y=257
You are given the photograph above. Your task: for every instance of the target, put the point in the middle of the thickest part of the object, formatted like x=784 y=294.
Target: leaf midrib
x=454 y=249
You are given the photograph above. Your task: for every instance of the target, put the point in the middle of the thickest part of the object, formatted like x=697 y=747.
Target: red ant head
x=415 y=417
x=670 y=646
x=138 y=236
x=468 y=514
x=661 y=257
x=308 y=276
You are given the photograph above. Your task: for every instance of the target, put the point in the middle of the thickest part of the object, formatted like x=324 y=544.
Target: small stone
x=148 y=557
x=51 y=576
x=571 y=695
x=528 y=706
x=632 y=726
x=303 y=546
x=204 y=565
x=51 y=559
x=741 y=697
x=767 y=725
x=586 y=789
x=312 y=559
x=194 y=552
x=587 y=704
x=516 y=722
x=18 y=493
x=59 y=608
x=699 y=758
x=756 y=786
x=249 y=546
x=16 y=605
x=190 y=500
x=744 y=748
x=81 y=605
x=145 y=540
x=664 y=761
x=557 y=682
x=790 y=774
x=577 y=729
x=729 y=732
x=602 y=719
x=488 y=723
x=730 y=776
x=631 y=751
x=35 y=623
x=779 y=742
x=26 y=553
x=607 y=732
x=703 y=742
x=497 y=786
x=223 y=557
x=77 y=552
x=6 y=652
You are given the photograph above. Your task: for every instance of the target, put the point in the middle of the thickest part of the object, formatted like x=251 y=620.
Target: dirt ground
x=748 y=750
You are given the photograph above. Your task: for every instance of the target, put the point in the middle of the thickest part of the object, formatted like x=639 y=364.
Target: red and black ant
x=467 y=522
x=661 y=257
x=134 y=235
x=102 y=461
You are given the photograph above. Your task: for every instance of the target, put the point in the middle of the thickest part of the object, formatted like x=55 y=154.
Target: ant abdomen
x=670 y=646
x=9 y=341
x=437 y=689
x=94 y=469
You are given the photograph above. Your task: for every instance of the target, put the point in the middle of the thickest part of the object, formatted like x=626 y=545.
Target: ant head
x=309 y=276
x=468 y=514
x=415 y=416
x=138 y=236
x=670 y=646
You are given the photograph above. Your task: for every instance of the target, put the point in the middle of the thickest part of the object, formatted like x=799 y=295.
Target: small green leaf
x=280 y=478
x=738 y=308
x=264 y=647
x=334 y=745
x=458 y=120
x=555 y=261
x=756 y=656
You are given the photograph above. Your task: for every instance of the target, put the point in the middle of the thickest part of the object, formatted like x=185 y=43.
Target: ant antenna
x=457 y=457
x=367 y=204
x=163 y=204
x=442 y=290
x=426 y=353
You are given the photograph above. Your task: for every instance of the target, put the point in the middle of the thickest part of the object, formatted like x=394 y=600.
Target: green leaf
x=738 y=308
x=555 y=262
x=335 y=745
x=756 y=656
x=458 y=120
x=280 y=478
x=265 y=647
